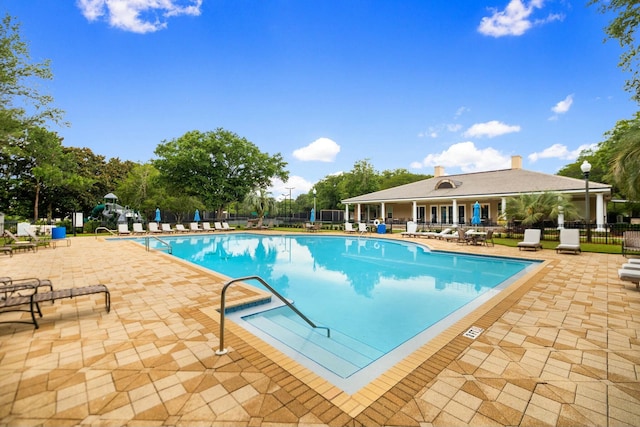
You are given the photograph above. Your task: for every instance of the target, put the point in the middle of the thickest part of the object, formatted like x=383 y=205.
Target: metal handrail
x=113 y=233
x=223 y=350
x=147 y=239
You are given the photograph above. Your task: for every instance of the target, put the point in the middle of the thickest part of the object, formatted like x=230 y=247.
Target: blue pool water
x=374 y=294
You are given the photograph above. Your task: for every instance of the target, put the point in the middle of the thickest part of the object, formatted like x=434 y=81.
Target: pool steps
x=340 y=354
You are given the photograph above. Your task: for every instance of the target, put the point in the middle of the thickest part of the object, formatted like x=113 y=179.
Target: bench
x=12 y=300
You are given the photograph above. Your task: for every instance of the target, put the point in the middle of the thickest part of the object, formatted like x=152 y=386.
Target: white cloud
x=515 y=19
x=320 y=150
x=138 y=16
x=560 y=151
x=563 y=106
x=467 y=157
x=490 y=129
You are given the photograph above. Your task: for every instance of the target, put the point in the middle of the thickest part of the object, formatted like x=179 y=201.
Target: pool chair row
x=154 y=228
x=630 y=271
x=25 y=295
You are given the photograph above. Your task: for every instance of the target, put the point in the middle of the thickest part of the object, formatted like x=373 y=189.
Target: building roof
x=499 y=183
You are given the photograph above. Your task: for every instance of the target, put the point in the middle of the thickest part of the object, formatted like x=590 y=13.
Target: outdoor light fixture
x=586 y=168
x=314 y=201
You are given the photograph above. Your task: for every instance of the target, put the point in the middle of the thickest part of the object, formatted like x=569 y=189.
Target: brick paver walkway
x=560 y=347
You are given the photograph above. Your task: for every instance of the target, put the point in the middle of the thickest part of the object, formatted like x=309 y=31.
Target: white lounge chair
x=226 y=227
x=362 y=228
x=412 y=229
x=569 y=240
x=531 y=240
x=630 y=275
x=180 y=228
x=218 y=226
x=123 y=229
x=193 y=226
x=207 y=227
x=166 y=228
x=348 y=228
x=433 y=235
x=153 y=228
x=137 y=228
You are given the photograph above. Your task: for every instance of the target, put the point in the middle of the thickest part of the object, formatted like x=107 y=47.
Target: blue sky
x=405 y=84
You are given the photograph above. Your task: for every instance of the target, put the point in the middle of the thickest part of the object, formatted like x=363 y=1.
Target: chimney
x=516 y=162
x=438 y=171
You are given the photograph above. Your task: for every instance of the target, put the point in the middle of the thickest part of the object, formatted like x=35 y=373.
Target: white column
x=560 y=217
x=455 y=213
x=383 y=212
x=359 y=213
x=414 y=212
x=600 y=212
x=346 y=212
x=503 y=203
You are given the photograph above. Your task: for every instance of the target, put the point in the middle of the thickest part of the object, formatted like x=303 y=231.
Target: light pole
x=314 y=203
x=586 y=168
x=290 y=188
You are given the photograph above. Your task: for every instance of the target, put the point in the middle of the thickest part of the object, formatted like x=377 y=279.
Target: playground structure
x=111 y=212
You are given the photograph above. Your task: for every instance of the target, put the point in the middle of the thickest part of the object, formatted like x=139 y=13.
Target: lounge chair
x=630 y=275
x=569 y=240
x=630 y=243
x=450 y=236
x=7 y=250
x=27 y=292
x=412 y=229
x=206 y=226
x=39 y=241
x=137 y=228
x=180 y=228
x=193 y=226
x=434 y=235
x=218 y=226
x=123 y=229
x=153 y=228
x=362 y=228
x=226 y=227
x=465 y=236
x=531 y=239
x=166 y=228
x=348 y=228
x=16 y=243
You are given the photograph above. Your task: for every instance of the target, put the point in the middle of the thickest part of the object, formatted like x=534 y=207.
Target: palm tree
x=534 y=209
x=626 y=162
x=260 y=201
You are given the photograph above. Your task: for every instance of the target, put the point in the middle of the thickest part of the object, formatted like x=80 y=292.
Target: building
x=449 y=199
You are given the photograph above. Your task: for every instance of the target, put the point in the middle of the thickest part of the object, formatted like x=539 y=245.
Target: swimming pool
x=376 y=295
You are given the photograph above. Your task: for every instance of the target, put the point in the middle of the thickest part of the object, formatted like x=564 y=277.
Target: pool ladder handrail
x=223 y=350
x=147 y=239
x=112 y=232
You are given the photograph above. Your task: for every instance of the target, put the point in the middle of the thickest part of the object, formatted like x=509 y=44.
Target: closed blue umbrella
x=313 y=215
x=196 y=217
x=158 y=219
x=475 y=220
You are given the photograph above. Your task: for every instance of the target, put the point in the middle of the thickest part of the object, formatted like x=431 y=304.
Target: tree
x=397 y=177
x=21 y=104
x=262 y=202
x=623 y=28
x=218 y=167
x=534 y=209
x=626 y=163
x=362 y=179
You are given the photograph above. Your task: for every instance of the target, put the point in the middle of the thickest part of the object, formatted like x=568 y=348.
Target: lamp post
x=586 y=168
x=290 y=188
x=314 y=202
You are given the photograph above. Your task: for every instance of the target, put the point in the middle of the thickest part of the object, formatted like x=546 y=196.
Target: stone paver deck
x=560 y=347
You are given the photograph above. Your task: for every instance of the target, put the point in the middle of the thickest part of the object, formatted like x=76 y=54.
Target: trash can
x=58 y=233
x=382 y=228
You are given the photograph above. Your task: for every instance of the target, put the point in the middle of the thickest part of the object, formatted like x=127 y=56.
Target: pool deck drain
x=560 y=349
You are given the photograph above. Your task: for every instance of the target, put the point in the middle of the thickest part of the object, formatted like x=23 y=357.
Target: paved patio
x=560 y=347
